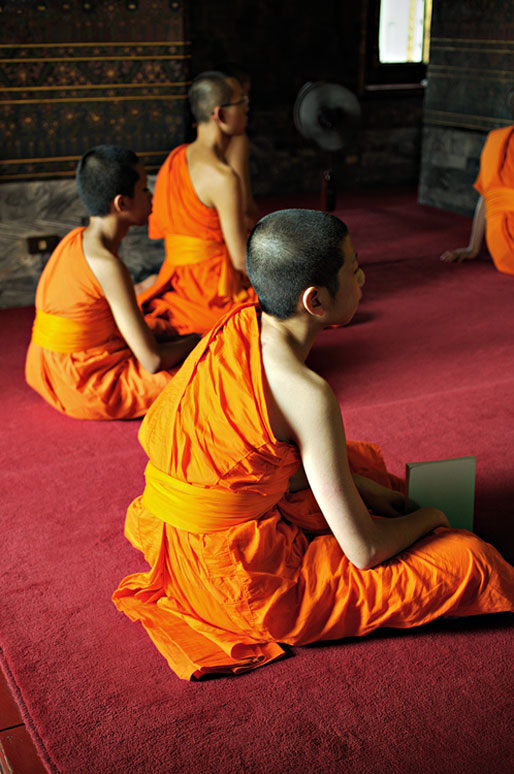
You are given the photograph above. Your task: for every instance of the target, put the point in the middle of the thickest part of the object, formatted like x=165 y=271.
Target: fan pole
x=328 y=186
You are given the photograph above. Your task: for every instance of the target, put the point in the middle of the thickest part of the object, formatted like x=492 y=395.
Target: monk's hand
x=459 y=254
x=379 y=499
x=144 y=284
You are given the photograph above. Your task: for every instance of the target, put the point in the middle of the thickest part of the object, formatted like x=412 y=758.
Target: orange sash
x=498 y=201
x=201 y=510
x=62 y=334
x=184 y=250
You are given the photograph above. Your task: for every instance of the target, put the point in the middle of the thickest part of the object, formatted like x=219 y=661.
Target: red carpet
x=426 y=370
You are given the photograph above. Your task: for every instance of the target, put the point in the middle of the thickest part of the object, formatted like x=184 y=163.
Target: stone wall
x=52 y=208
x=469 y=79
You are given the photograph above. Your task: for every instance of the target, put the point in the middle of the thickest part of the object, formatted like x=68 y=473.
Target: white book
x=445 y=484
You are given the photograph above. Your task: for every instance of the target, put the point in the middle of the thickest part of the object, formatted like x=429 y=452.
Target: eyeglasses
x=243 y=101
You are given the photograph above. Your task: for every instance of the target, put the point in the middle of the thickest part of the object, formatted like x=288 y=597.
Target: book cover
x=445 y=484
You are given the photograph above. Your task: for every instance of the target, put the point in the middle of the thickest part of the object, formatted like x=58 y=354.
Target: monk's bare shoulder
x=298 y=399
x=108 y=268
x=212 y=177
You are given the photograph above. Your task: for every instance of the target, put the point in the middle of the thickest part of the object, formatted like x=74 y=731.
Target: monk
x=494 y=213
x=92 y=354
x=198 y=210
x=238 y=151
x=255 y=518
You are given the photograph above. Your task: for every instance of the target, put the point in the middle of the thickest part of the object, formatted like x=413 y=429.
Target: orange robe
x=197 y=283
x=495 y=183
x=77 y=359
x=239 y=565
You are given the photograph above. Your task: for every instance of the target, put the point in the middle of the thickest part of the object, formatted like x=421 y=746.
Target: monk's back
x=177 y=209
x=210 y=427
x=67 y=286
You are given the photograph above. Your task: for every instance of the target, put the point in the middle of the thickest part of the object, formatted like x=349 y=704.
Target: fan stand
x=328 y=186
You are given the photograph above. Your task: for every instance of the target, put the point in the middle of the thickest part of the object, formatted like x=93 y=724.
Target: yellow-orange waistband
x=498 y=201
x=182 y=250
x=61 y=334
x=197 y=509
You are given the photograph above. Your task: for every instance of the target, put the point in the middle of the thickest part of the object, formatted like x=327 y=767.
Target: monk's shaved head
x=291 y=250
x=104 y=172
x=208 y=91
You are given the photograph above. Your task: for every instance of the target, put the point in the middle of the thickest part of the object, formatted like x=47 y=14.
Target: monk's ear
x=218 y=115
x=312 y=302
x=119 y=203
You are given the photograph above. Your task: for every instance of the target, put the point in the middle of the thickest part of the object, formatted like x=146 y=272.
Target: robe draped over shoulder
x=77 y=359
x=238 y=565
x=197 y=283
x=495 y=183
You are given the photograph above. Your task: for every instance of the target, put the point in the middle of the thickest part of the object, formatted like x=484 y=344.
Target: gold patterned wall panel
x=77 y=74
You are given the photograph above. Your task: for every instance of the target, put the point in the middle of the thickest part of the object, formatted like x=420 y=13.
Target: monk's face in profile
x=235 y=112
x=141 y=203
x=351 y=280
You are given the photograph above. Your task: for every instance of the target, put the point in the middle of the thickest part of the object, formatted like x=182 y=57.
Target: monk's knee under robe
x=77 y=359
x=238 y=564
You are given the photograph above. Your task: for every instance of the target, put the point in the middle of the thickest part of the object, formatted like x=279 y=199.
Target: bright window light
x=404 y=33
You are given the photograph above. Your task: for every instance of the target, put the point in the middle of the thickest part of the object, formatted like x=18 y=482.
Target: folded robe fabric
x=495 y=183
x=77 y=359
x=197 y=283
x=238 y=564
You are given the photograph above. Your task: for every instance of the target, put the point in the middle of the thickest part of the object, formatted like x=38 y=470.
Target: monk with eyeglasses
x=198 y=210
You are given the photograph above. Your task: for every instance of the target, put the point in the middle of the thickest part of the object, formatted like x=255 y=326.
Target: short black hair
x=208 y=91
x=234 y=70
x=290 y=250
x=104 y=172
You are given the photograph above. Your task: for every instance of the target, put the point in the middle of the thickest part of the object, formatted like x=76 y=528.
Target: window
x=404 y=30
x=395 y=48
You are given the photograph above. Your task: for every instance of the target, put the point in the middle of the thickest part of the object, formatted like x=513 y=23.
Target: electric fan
x=328 y=114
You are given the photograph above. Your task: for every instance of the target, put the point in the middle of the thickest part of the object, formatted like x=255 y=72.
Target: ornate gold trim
x=437 y=71
x=97 y=43
x=156 y=84
x=464 y=120
x=30 y=60
x=56 y=174
x=56 y=100
x=73 y=158
x=479 y=41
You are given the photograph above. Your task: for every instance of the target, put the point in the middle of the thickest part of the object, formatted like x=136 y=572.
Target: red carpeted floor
x=427 y=371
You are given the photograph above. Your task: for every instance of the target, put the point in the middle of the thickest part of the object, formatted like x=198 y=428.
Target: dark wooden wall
x=283 y=46
x=76 y=74
x=80 y=72
x=470 y=75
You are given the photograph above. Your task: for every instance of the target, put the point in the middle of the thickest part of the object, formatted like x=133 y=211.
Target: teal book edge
x=445 y=484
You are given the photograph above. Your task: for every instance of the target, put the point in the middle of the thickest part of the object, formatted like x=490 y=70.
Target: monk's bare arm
x=118 y=288
x=238 y=156
x=475 y=241
x=315 y=420
x=226 y=195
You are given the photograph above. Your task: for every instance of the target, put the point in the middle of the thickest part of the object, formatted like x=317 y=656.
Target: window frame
x=376 y=75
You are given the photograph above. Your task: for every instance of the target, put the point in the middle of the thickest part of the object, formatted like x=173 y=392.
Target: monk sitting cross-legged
x=255 y=518
x=92 y=354
x=198 y=209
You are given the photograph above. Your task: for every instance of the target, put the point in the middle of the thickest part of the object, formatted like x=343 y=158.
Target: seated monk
x=238 y=151
x=198 y=209
x=254 y=518
x=494 y=213
x=92 y=355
